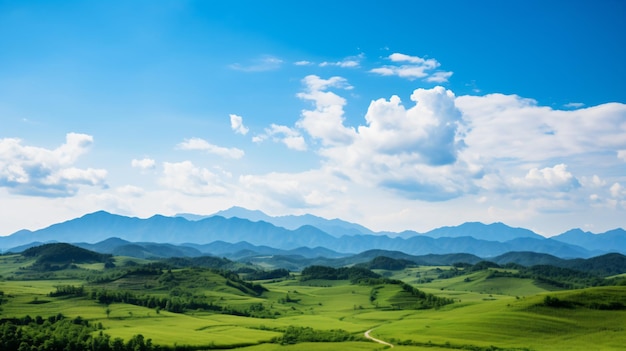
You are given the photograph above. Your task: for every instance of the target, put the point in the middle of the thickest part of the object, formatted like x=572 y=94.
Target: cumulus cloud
x=325 y=121
x=413 y=67
x=441 y=146
x=143 y=164
x=617 y=190
x=412 y=151
x=236 y=124
x=203 y=145
x=191 y=180
x=283 y=134
x=30 y=170
x=556 y=178
x=427 y=130
x=508 y=127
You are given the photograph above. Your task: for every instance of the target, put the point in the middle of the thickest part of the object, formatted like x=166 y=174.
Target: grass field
x=508 y=313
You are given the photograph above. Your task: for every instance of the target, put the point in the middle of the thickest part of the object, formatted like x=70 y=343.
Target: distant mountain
x=102 y=225
x=483 y=240
x=611 y=241
x=490 y=232
x=334 y=227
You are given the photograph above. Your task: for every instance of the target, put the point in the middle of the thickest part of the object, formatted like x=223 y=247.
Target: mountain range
x=237 y=229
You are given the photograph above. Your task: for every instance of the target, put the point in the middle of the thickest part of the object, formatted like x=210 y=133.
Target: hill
x=63 y=254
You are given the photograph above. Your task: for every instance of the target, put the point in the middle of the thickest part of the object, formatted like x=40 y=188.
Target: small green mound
x=62 y=254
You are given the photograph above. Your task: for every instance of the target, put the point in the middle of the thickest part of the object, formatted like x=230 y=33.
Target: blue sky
x=393 y=114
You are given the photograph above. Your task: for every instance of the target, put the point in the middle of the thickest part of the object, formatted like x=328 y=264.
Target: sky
x=392 y=114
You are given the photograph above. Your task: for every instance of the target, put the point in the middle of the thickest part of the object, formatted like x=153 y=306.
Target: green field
x=488 y=312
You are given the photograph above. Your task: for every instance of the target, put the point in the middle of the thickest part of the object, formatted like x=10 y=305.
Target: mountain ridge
x=472 y=237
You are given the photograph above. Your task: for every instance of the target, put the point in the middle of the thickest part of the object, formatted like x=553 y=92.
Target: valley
x=122 y=303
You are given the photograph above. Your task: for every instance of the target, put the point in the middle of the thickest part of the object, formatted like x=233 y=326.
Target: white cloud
x=262 y=64
x=413 y=67
x=292 y=191
x=621 y=154
x=348 y=62
x=594 y=181
x=556 y=178
x=325 y=121
x=410 y=151
x=617 y=190
x=288 y=136
x=130 y=190
x=303 y=63
x=236 y=123
x=203 y=145
x=30 y=170
x=430 y=63
x=508 y=127
x=144 y=163
x=191 y=180
x=439 y=77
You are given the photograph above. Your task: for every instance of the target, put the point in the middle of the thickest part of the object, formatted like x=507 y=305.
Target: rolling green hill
x=60 y=255
x=200 y=304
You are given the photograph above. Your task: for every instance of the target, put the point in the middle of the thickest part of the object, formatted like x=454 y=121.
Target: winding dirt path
x=367 y=335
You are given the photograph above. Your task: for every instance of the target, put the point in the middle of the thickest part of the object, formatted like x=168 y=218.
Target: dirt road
x=367 y=335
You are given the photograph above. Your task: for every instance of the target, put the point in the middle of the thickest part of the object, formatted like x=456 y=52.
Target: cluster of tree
x=450 y=346
x=564 y=278
x=204 y=277
x=266 y=275
x=556 y=302
x=387 y=263
x=177 y=304
x=614 y=302
x=425 y=300
x=202 y=261
x=358 y=275
x=294 y=335
x=58 y=333
x=560 y=277
x=68 y=290
x=132 y=269
x=353 y=274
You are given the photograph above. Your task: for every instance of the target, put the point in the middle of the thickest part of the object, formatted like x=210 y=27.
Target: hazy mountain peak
x=492 y=232
x=488 y=240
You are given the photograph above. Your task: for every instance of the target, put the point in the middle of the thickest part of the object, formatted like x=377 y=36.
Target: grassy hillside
x=61 y=253
x=175 y=303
